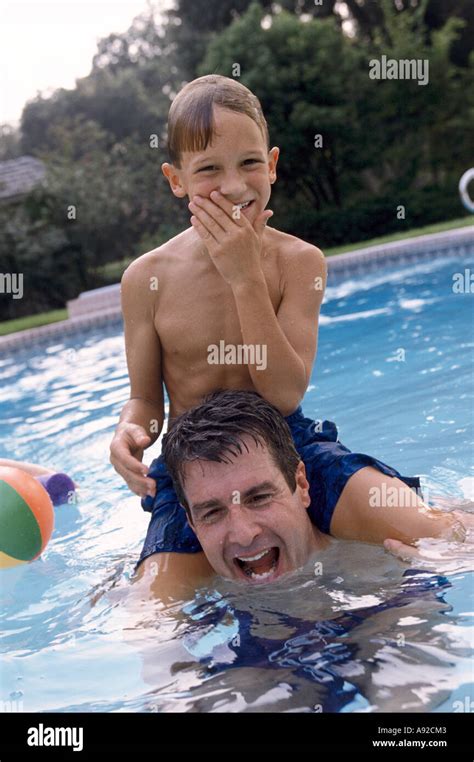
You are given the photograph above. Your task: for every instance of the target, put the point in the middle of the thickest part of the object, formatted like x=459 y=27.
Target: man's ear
x=302 y=484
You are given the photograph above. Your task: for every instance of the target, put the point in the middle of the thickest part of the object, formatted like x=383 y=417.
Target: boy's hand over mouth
x=233 y=242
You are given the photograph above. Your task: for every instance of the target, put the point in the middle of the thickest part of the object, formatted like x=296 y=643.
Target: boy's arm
x=289 y=340
x=290 y=336
x=141 y=419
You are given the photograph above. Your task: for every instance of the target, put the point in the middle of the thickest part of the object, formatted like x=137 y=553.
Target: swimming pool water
x=395 y=372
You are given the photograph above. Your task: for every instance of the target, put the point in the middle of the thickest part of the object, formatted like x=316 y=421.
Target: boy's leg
x=171 y=562
x=168 y=530
x=374 y=507
x=332 y=469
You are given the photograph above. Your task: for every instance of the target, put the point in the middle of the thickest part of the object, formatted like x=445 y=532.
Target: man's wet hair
x=213 y=431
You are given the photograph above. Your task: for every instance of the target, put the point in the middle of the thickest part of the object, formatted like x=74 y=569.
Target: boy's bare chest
x=196 y=308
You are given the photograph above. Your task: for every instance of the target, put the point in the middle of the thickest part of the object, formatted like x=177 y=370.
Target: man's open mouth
x=261 y=567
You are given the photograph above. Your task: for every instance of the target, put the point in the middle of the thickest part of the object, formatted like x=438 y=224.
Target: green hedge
x=373 y=218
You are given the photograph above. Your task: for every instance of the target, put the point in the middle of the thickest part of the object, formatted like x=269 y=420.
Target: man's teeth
x=255 y=558
x=243 y=206
x=256 y=576
x=253 y=575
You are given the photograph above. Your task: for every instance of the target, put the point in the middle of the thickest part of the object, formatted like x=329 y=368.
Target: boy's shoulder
x=145 y=265
x=293 y=249
x=290 y=251
x=293 y=244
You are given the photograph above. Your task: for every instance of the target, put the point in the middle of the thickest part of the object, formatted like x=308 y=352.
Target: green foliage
x=32 y=321
x=10 y=142
x=375 y=217
x=95 y=206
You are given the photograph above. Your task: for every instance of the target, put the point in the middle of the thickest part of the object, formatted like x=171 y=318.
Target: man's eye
x=261 y=498
x=204 y=169
x=211 y=515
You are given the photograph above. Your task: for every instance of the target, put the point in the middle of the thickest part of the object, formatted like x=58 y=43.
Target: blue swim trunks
x=328 y=463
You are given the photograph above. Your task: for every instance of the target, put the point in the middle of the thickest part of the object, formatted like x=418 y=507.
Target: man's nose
x=243 y=528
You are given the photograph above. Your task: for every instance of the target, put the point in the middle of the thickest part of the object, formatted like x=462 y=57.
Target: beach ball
x=26 y=517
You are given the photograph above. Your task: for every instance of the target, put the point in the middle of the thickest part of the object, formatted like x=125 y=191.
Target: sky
x=46 y=45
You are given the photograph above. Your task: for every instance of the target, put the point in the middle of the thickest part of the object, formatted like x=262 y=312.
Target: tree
x=193 y=24
x=10 y=142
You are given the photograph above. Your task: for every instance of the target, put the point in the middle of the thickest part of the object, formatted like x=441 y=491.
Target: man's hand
x=458 y=537
x=402 y=551
x=126 y=453
x=233 y=243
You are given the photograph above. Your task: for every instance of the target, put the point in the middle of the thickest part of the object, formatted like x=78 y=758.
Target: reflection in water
x=308 y=644
x=318 y=668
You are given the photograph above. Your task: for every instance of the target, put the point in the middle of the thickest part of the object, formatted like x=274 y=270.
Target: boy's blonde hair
x=190 y=119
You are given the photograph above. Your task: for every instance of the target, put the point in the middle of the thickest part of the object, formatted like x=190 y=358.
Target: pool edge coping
x=344 y=263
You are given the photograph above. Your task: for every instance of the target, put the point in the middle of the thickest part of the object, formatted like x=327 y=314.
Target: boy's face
x=244 y=509
x=236 y=164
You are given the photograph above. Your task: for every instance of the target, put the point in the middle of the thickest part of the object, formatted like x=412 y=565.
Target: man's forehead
x=241 y=470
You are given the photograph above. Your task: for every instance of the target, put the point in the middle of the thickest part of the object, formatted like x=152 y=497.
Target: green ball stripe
x=20 y=534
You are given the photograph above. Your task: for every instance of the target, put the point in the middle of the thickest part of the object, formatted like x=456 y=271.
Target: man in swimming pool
x=227 y=304
x=244 y=488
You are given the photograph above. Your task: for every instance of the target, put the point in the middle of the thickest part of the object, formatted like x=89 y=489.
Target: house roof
x=19 y=176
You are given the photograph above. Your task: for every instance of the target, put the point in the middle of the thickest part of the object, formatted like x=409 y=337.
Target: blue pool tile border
x=456 y=243
x=47 y=334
